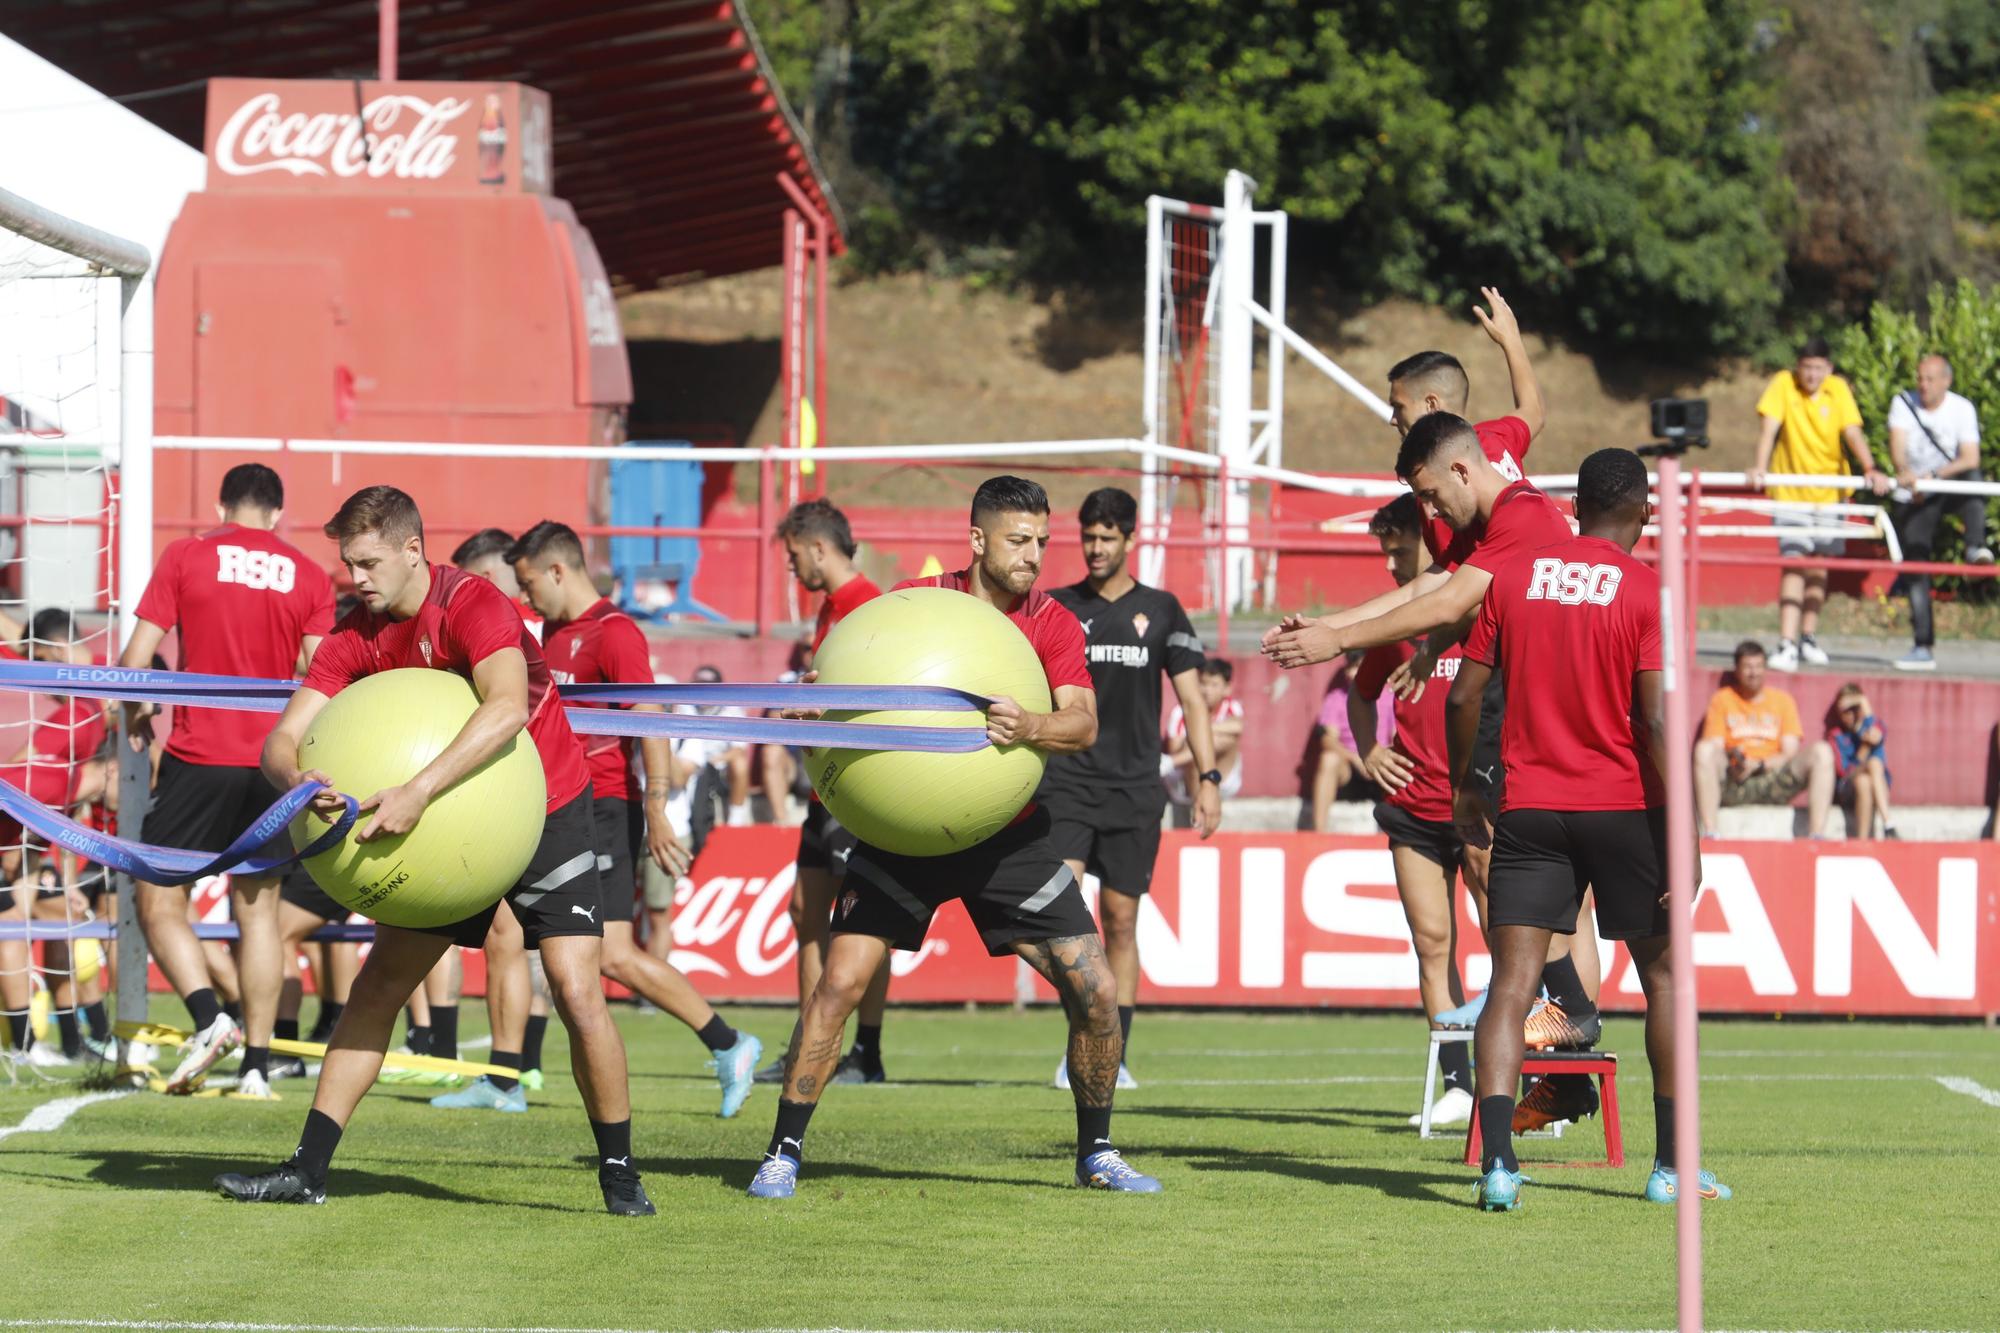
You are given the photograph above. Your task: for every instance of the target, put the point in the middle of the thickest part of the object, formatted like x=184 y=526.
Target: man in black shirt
x=1106 y=802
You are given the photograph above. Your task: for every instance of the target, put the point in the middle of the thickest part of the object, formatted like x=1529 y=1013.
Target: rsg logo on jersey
x=266 y=571
x=1573 y=583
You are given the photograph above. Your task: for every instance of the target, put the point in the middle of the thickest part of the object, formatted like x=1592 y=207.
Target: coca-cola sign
x=314 y=135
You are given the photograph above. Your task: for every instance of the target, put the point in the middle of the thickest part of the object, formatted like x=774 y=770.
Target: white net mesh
x=58 y=407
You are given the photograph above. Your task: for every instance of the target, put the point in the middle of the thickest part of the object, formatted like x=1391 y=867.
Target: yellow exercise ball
x=915 y=803
x=474 y=840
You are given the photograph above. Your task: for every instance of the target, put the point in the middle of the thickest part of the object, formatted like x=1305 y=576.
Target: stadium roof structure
x=670 y=128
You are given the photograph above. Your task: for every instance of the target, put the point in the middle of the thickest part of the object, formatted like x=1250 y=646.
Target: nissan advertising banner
x=1300 y=919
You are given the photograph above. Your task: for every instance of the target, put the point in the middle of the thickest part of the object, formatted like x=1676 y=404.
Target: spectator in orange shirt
x=1751 y=750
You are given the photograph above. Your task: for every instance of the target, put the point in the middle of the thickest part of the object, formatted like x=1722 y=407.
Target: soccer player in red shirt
x=819 y=546
x=246 y=603
x=591 y=642
x=1451 y=475
x=419 y=615
x=1416 y=814
x=1017 y=890
x=1574 y=629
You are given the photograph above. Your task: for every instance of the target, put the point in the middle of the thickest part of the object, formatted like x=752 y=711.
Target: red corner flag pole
x=1675 y=636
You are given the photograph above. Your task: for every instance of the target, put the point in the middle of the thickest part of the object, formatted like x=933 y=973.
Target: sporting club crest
x=1139 y=623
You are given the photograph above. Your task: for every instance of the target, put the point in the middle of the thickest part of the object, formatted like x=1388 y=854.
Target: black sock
x=1455 y=1059
x=234 y=1008
x=325 y=1021
x=868 y=1047
x=444 y=1031
x=285 y=1029
x=98 y=1021
x=531 y=1046
x=72 y=1034
x=1093 y=1130
x=1125 y=1012
x=614 y=1144
x=256 y=1059
x=203 y=1008
x=418 y=1039
x=1663 y=1131
x=715 y=1034
x=788 y=1136
x=316 y=1145
x=507 y=1060
x=17 y=1029
x=1496 y=1132
x=1565 y=987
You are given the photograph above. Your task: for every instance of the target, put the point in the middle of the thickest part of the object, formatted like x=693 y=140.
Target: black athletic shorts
x=299 y=889
x=1115 y=832
x=1545 y=860
x=1013 y=885
x=1485 y=774
x=824 y=844
x=1433 y=841
x=204 y=807
x=558 y=893
x=621 y=846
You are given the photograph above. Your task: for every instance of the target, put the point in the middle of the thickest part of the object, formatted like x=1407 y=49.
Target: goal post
x=90 y=415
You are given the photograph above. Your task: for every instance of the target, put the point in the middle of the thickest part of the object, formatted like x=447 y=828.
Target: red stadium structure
x=436 y=255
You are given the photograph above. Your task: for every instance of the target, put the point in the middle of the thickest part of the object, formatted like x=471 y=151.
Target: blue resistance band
x=265 y=695
x=171 y=865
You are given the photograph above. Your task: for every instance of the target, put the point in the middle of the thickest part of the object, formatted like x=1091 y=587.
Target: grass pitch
x=1867 y=1196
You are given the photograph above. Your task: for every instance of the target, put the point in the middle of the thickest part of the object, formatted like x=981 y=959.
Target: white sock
x=739 y=816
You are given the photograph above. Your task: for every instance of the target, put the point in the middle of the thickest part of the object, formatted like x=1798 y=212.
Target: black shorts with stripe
x=558 y=893
x=621 y=846
x=1013 y=885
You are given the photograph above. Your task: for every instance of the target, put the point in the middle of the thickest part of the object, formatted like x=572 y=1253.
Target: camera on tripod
x=1679 y=424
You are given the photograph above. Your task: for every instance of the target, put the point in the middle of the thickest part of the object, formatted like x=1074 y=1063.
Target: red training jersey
x=603 y=646
x=463 y=621
x=72 y=732
x=1505 y=441
x=1420 y=728
x=1523 y=520
x=1569 y=627
x=244 y=601
x=836 y=605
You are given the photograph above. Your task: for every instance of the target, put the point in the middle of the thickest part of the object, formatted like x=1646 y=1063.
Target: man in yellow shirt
x=1751 y=750
x=1810 y=424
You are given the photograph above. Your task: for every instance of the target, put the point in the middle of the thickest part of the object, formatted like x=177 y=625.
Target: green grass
x=1867 y=1196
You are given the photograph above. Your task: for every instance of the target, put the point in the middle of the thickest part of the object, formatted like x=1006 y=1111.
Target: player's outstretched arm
x=501 y=680
x=1461 y=733
x=1070 y=728
x=1446 y=605
x=1504 y=329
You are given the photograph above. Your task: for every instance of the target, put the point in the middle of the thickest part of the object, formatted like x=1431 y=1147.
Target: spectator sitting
x=1808 y=413
x=725 y=777
x=1225 y=725
x=781 y=769
x=1339 y=758
x=1861 y=759
x=1933 y=436
x=1751 y=750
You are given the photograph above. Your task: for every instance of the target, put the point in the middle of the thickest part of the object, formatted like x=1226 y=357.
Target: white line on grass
x=51 y=1115
x=1970 y=1089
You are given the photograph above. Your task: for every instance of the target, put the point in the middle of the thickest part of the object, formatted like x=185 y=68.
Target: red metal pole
x=1693 y=570
x=1681 y=883
x=822 y=242
x=766 y=524
x=386 y=39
